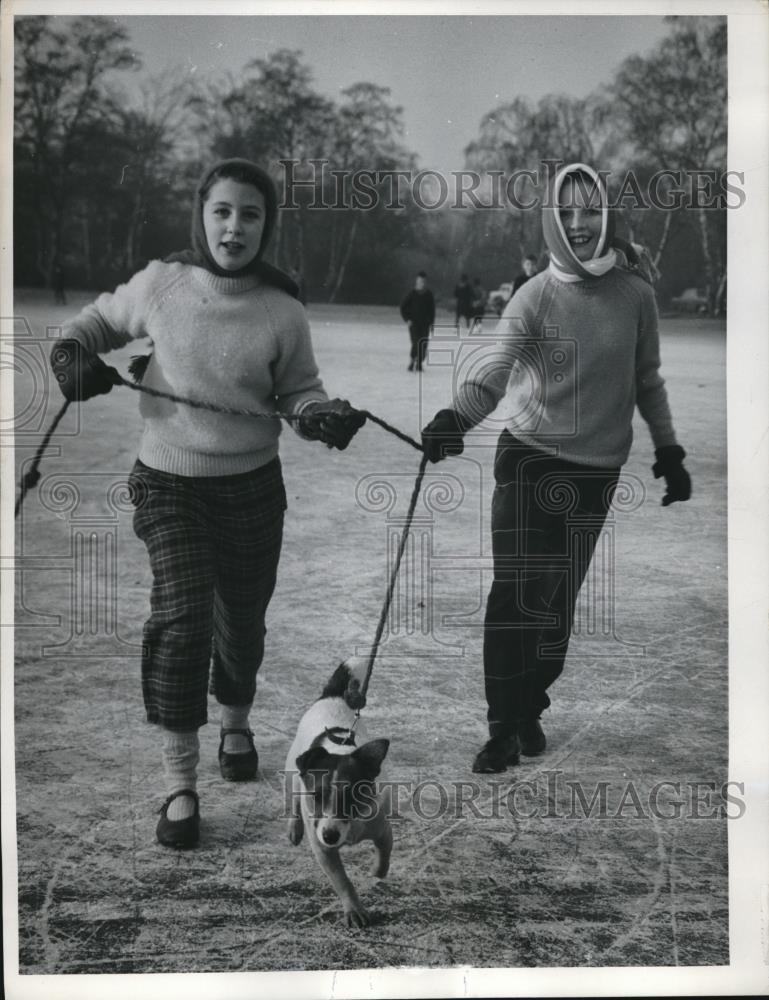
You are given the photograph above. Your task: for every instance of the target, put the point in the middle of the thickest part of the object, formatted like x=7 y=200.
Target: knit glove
x=669 y=464
x=334 y=422
x=443 y=435
x=80 y=373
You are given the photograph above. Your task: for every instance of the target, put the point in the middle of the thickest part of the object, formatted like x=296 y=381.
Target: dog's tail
x=345 y=683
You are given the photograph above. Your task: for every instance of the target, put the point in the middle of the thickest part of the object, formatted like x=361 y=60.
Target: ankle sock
x=236 y=717
x=181 y=753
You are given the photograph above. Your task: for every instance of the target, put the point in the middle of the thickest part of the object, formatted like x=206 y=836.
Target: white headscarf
x=564 y=263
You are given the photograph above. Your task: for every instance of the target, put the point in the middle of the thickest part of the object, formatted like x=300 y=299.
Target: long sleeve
x=235 y=342
x=572 y=361
x=651 y=394
x=115 y=318
x=490 y=367
x=297 y=381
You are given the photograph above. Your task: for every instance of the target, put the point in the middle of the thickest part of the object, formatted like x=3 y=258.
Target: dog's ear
x=371 y=755
x=314 y=759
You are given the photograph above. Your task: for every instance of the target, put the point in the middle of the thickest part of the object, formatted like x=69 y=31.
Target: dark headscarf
x=199 y=254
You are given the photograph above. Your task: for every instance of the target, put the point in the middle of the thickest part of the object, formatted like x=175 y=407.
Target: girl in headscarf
x=576 y=351
x=226 y=328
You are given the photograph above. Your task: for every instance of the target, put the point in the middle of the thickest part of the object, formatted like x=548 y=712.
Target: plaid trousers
x=546 y=517
x=214 y=545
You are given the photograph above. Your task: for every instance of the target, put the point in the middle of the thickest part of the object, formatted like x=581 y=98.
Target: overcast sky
x=446 y=72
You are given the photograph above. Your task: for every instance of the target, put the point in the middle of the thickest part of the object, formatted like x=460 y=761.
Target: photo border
x=748 y=527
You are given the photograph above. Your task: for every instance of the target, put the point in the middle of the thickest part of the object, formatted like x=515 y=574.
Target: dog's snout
x=330 y=835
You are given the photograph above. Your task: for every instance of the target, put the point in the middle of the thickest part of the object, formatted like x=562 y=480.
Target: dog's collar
x=339 y=735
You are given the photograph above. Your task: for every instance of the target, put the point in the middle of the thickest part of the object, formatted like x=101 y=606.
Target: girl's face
x=581 y=216
x=233 y=220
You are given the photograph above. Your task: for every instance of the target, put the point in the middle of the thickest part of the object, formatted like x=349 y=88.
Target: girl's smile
x=233 y=220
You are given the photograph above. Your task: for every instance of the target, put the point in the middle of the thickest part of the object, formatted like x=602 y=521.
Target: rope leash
x=289 y=417
x=391 y=587
x=32 y=477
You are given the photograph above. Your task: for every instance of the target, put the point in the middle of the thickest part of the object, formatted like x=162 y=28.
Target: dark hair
x=421 y=274
x=532 y=257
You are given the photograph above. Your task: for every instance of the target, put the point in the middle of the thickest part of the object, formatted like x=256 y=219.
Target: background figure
x=301 y=284
x=646 y=265
x=418 y=310
x=480 y=296
x=58 y=283
x=529 y=270
x=464 y=296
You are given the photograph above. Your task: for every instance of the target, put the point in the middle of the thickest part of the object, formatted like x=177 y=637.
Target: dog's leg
x=331 y=863
x=295 y=821
x=383 y=844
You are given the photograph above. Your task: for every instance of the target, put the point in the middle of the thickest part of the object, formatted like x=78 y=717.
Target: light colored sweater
x=234 y=341
x=571 y=361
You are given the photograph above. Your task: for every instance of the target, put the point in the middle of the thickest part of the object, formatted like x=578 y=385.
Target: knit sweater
x=236 y=342
x=572 y=360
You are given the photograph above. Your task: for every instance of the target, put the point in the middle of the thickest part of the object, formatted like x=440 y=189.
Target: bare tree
x=155 y=134
x=59 y=97
x=671 y=105
x=366 y=137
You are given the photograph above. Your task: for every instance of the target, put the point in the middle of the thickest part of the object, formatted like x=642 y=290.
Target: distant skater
x=464 y=295
x=480 y=297
x=529 y=270
x=418 y=311
x=300 y=283
x=58 y=283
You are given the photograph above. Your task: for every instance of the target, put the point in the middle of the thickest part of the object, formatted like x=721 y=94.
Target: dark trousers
x=466 y=313
x=214 y=545
x=419 y=336
x=546 y=516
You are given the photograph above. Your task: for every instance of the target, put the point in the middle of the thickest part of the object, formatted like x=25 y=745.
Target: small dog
x=331 y=776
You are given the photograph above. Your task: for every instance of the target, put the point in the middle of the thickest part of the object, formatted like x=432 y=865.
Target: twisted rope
x=277 y=415
x=393 y=578
x=32 y=476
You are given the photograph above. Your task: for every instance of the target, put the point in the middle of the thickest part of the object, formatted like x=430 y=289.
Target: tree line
x=102 y=182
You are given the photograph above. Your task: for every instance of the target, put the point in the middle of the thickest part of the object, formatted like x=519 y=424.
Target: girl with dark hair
x=580 y=341
x=225 y=327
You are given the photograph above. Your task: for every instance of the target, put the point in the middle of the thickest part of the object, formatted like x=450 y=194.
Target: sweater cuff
x=663 y=438
x=299 y=409
x=473 y=403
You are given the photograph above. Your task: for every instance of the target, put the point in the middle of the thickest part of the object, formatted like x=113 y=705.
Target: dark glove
x=335 y=422
x=669 y=464
x=80 y=373
x=443 y=435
